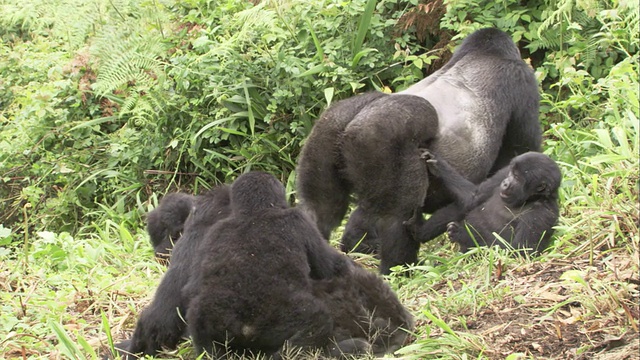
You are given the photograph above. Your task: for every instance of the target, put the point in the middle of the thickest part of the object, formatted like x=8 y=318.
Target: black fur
x=486 y=106
x=369 y=145
x=364 y=308
x=519 y=203
x=161 y=324
x=262 y=276
x=166 y=222
x=358 y=228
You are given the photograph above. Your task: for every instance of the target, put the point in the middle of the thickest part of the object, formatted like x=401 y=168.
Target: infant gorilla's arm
x=462 y=189
x=466 y=194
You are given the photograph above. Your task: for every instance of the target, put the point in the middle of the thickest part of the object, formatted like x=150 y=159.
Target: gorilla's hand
x=431 y=160
x=453 y=229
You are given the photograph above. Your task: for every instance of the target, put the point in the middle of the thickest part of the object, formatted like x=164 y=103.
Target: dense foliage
x=105 y=104
x=142 y=94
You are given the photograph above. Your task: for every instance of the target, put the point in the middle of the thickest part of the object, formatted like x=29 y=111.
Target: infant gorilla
x=166 y=222
x=519 y=203
x=262 y=276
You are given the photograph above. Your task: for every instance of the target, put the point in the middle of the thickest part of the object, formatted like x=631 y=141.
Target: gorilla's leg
x=317 y=324
x=426 y=230
x=160 y=324
x=304 y=323
x=397 y=247
x=323 y=191
x=360 y=234
x=381 y=149
x=389 y=320
x=369 y=144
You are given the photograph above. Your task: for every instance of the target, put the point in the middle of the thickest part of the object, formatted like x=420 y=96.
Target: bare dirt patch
x=580 y=309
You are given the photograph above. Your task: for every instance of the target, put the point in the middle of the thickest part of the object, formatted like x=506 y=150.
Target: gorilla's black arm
x=161 y=323
x=424 y=231
x=462 y=190
x=465 y=193
x=325 y=261
x=535 y=226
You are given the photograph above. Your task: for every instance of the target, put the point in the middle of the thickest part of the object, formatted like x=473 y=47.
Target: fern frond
x=131 y=65
x=564 y=10
x=548 y=42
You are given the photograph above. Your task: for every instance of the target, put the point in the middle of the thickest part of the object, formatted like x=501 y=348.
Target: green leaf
x=363 y=26
x=4 y=232
x=68 y=346
x=440 y=323
x=359 y=55
x=328 y=94
x=93 y=122
x=316 y=42
x=314 y=70
x=252 y=120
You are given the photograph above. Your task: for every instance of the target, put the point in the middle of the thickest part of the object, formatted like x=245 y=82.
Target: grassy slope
x=573 y=302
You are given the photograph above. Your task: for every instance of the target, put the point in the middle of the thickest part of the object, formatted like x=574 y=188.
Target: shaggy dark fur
x=519 y=204
x=477 y=112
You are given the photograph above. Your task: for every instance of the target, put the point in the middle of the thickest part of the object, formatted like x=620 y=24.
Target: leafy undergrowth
x=483 y=304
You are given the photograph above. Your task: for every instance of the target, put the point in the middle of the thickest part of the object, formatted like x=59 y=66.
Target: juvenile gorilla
x=259 y=278
x=519 y=203
x=369 y=145
x=160 y=324
x=166 y=222
x=477 y=112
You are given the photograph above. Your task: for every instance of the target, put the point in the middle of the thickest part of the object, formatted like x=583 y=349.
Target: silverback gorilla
x=261 y=276
x=485 y=103
x=519 y=203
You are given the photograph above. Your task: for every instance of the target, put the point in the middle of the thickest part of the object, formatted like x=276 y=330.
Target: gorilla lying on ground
x=482 y=108
x=262 y=276
x=519 y=204
x=365 y=309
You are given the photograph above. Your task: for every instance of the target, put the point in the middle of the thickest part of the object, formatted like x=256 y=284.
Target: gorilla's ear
x=542 y=188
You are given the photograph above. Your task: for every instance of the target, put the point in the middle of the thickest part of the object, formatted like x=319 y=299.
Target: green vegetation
x=107 y=105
